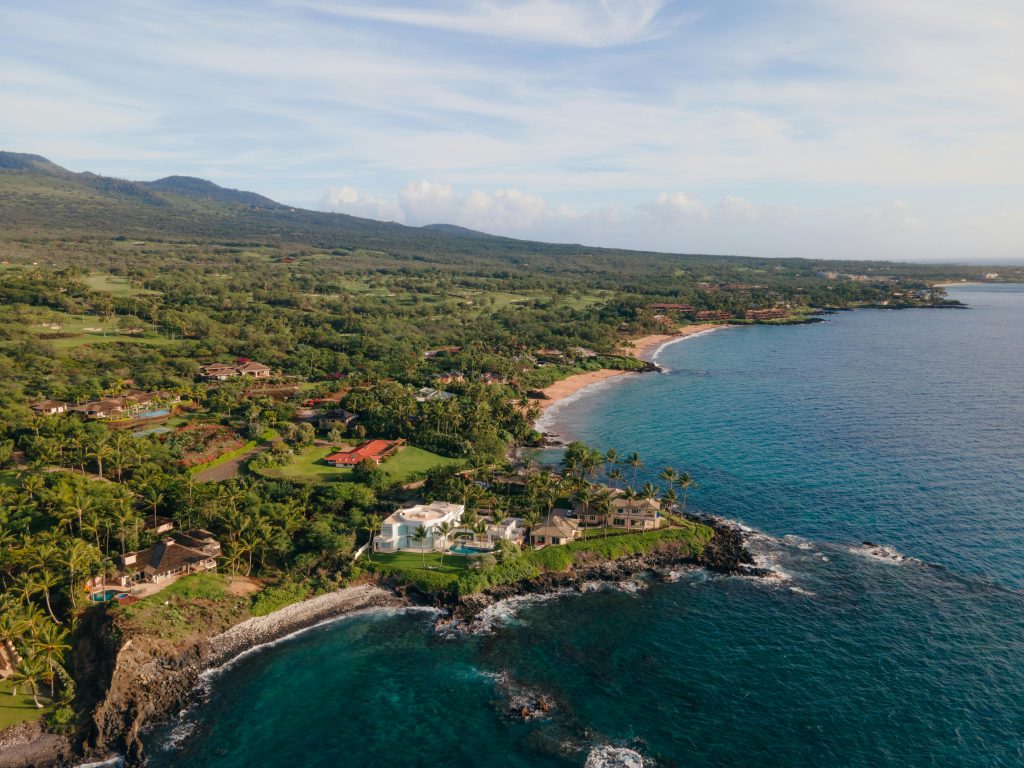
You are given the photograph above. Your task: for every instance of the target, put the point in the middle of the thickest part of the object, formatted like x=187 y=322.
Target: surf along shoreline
x=646 y=348
x=150 y=682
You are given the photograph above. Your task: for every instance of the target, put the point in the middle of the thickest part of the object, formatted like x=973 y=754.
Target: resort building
x=717 y=315
x=777 y=313
x=397 y=532
x=558 y=530
x=430 y=395
x=626 y=513
x=176 y=555
x=242 y=367
x=49 y=407
x=130 y=405
x=373 y=450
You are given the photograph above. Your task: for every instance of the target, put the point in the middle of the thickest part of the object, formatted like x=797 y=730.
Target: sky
x=889 y=129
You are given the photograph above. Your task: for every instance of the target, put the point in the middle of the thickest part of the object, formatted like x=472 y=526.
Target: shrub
x=278 y=596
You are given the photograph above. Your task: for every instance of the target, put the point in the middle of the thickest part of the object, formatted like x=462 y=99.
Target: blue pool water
x=902 y=428
x=462 y=549
x=110 y=594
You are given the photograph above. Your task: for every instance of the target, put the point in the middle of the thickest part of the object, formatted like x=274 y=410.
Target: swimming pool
x=152 y=414
x=110 y=594
x=463 y=549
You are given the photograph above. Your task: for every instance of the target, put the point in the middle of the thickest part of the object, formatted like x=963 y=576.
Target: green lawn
x=102 y=332
x=119 y=286
x=18 y=709
x=309 y=465
x=409 y=561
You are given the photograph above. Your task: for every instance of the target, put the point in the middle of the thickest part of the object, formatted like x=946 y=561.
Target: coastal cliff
x=136 y=680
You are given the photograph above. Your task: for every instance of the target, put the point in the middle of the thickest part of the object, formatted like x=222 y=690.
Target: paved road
x=229 y=469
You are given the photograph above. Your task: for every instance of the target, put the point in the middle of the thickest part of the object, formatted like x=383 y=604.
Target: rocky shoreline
x=725 y=554
x=150 y=680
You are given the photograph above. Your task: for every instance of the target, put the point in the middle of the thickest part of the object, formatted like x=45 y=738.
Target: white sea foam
x=213 y=672
x=112 y=762
x=546 y=421
x=613 y=757
x=881 y=553
x=501 y=613
x=661 y=348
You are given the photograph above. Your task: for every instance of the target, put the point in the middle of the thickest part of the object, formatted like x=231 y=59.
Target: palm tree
x=650 y=491
x=669 y=499
x=602 y=504
x=584 y=495
x=615 y=475
x=100 y=450
x=611 y=457
x=685 y=482
x=671 y=475
x=50 y=643
x=443 y=530
x=531 y=520
x=371 y=524
x=28 y=673
x=636 y=463
x=480 y=530
x=420 y=537
x=153 y=495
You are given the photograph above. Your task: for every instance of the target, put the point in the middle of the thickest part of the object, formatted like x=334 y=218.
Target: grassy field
x=197 y=604
x=102 y=332
x=20 y=708
x=310 y=467
x=453 y=564
x=118 y=286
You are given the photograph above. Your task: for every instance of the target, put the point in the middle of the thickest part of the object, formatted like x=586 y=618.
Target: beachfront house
x=398 y=531
x=558 y=529
x=179 y=554
x=627 y=513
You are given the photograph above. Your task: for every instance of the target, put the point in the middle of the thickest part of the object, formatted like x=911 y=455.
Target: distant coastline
x=571 y=389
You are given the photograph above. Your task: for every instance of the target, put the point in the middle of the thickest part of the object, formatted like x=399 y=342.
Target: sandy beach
x=562 y=389
x=645 y=347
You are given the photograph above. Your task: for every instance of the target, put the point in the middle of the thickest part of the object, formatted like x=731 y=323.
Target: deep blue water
x=906 y=429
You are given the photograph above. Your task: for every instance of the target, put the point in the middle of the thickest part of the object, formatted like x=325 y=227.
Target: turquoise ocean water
x=905 y=429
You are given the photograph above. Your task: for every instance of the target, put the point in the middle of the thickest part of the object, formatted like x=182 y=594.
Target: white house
x=398 y=530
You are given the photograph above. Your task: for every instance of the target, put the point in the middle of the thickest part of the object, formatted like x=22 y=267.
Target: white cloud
x=672 y=209
x=584 y=23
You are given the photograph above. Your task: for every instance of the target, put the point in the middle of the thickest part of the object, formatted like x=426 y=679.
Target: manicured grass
x=20 y=708
x=119 y=286
x=410 y=460
x=413 y=561
x=108 y=335
x=308 y=466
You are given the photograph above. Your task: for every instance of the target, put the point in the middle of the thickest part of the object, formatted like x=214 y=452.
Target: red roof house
x=374 y=450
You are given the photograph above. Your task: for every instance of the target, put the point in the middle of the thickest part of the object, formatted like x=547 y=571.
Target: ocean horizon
x=874 y=459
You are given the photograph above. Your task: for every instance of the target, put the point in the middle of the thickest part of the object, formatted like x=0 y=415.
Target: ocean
x=902 y=429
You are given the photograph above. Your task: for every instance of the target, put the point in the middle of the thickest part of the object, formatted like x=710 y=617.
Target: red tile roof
x=375 y=450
